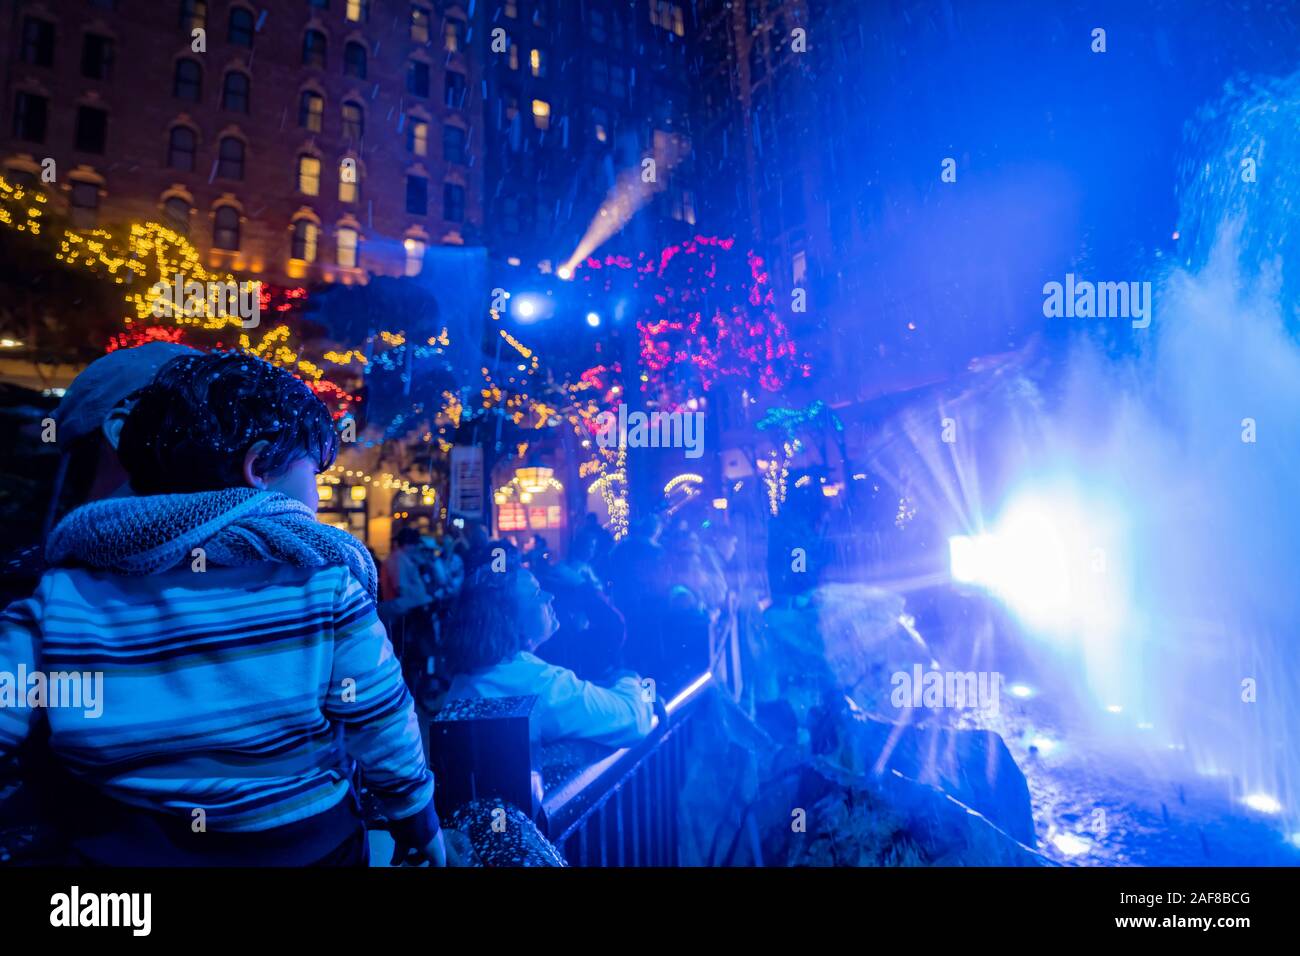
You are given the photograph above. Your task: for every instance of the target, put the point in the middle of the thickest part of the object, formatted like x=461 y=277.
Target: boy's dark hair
x=192 y=426
x=484 y=625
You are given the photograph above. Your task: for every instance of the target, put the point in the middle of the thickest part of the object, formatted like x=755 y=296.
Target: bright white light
x=1023 y=691
x=593 y=319
x=564 y=272
x=1115 y=709
x=1071 y=845
x=1052 y=561
x=1045 y=745
x=1262 y=802
x=526 y=309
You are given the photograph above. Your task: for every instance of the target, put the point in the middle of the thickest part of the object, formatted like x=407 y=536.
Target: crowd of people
x=259 y=670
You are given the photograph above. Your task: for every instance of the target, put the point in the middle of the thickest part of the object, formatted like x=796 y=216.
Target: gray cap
x=107 y=381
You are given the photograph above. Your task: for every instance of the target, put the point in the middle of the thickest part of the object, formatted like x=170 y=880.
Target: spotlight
x=1045 y=558
x=593 y=319
x=1263 y=803
x=565 y=273
x=525 y=309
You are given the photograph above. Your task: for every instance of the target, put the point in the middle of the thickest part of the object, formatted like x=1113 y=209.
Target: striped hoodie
x=235 y=691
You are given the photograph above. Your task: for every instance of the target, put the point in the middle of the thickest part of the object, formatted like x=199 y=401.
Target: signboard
x=466 y=499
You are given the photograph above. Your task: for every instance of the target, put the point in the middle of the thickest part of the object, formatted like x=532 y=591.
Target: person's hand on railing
x=434 y=852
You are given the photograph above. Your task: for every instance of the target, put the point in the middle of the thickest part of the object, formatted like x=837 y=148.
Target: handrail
x=568 y=807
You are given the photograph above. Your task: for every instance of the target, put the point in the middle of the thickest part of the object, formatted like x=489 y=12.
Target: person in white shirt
x=502 y=617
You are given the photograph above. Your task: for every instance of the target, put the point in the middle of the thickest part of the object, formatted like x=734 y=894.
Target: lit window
x=541 y=114
x=420 y=20
x=309 y=175
x=349 y=181
x=414 y=256
x=305 y=234
x=354 y=122
x=417 y=137
x=311 y=111
x=537 y=62
x=358 y=11
x=512 y=8
x=348 y=246
x=453 y=35
x=225 y=229
x=514 y=55
x=668 y=16
x=194 y=14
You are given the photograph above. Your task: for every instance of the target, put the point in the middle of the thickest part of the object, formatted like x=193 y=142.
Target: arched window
x=225 y=229
x=354 y=60
x=354 y=121
x=349 y=180
x=187 y=82
x=177 y=213
x=453 y=202
x=234 y=93
x=241 y=27
x=453 y=144
x=194 y=14
x=305 y=235
x=414 y=256
x=349 y=247
x=230 y=158
x=181 y=147
x=313 y=49
x=311 y=111
x=85 y=205
x=309 y=175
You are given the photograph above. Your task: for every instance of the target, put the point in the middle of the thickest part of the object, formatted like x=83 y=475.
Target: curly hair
x=483 y=628
x=192 y=426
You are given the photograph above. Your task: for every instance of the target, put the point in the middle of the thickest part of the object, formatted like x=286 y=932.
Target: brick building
x=292 y=140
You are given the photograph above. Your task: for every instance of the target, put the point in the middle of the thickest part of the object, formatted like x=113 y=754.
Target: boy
x=229 y=641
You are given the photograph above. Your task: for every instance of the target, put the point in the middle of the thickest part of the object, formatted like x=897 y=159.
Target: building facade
x=579 y=93
x=296 y=141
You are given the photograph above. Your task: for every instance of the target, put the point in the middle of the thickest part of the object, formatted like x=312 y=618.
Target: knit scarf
x=234 y=527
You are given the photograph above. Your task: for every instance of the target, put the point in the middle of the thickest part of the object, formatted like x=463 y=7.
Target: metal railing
x=622 y=810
